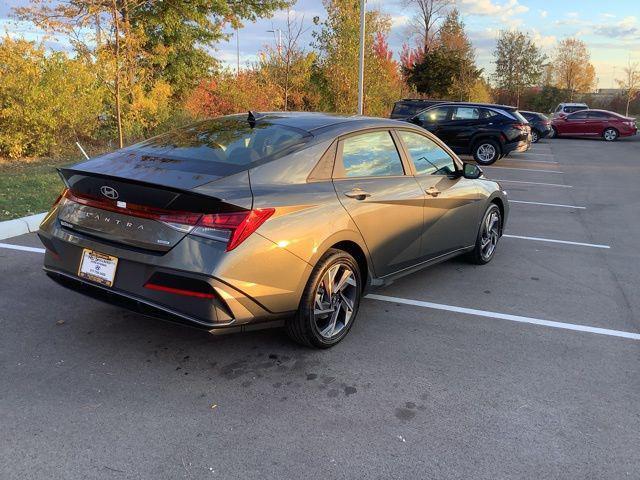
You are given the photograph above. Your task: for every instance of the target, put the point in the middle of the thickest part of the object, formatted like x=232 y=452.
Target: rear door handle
x=357 y=193
x=433 y=191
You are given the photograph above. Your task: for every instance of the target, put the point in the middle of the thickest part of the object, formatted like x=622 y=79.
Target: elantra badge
x=109 y=192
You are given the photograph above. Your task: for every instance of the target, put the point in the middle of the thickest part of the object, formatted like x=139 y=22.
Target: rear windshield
x=519 y=116
x=229 y=142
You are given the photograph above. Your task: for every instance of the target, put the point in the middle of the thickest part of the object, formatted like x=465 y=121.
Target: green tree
x=47 y=100
x=141 y=46
x=336 y=73
x=519 y=63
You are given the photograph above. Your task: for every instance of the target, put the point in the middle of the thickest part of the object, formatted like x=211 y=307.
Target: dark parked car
x=408 y=107
x=540 y=125
x=595 y=123
x=239 y=222
x=486 y=131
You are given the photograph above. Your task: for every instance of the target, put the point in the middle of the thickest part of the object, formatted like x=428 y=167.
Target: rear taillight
x=232 y=228
x=521 y=126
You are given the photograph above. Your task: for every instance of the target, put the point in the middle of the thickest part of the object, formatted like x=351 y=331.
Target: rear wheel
x=534 y=136
x=486 y=152
x=329 y=303
x=610 y=134
x=488 y=236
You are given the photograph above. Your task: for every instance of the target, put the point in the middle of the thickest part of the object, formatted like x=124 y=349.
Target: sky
x=611 y=29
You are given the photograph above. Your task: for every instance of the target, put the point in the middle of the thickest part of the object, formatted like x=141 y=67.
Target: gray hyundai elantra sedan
x=276 y=219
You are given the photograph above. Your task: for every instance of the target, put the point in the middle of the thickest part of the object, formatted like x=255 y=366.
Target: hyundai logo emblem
x=109 y=192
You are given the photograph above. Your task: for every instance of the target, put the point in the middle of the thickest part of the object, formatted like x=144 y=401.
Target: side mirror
x=471 y=170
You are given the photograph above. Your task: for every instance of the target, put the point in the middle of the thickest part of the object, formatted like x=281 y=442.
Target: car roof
x=574 y=104
x=472 y=104
x=316 y=121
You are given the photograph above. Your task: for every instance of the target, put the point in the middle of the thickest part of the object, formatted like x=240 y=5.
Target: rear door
x=452 y=203
x=465 y=122
x=596 y=123
x=384 y=202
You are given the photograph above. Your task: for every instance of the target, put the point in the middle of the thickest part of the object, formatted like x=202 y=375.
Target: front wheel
x=486 y=152
x=610 y=134
x=330 y=302
x=488 y=236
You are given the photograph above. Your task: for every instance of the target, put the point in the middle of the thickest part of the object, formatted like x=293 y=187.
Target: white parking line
x=551 y=240
x=506 y=316
x=541 y=154
x=533 y=183
x=548 y=204
x=526 y=169
x=22 y=248
x=533 y=161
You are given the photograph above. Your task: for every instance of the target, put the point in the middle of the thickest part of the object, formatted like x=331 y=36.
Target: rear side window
x=226 y=141
x=519 y=116
x=370 y=155
x=486 y=113
x=600 y=115
x=427 y=156
x=465 y=113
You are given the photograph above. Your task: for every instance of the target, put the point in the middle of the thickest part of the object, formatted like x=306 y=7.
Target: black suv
x=540 y=125
x=408 y=107
x=486 y=131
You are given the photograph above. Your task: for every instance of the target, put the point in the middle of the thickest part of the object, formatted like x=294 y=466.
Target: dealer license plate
x=98 y=267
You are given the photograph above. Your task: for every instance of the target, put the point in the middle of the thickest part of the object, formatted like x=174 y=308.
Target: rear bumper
x=520 y=146
x=244 y=287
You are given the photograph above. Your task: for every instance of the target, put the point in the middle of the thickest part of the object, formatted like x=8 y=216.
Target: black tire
x=535 y=136
x=303 y=328
x=610 y=134
x=477 y=255
x=486 y=151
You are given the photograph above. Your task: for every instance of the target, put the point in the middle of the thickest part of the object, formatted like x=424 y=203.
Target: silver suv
x=564 y=109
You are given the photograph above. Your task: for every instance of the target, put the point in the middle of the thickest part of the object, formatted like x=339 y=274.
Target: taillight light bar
x=232 y=228
x=177 y=291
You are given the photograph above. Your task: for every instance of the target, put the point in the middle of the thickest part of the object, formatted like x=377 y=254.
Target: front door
x=452 y=205
x=385 y=203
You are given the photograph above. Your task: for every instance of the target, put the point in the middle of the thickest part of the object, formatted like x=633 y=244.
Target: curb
x=20 y=226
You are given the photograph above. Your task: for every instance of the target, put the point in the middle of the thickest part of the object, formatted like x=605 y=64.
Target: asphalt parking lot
x=525 y=368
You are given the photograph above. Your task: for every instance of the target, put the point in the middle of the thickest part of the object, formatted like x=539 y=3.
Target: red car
x=594 y=123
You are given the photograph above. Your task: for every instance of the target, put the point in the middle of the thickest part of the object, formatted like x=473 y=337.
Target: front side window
x=578 y=116
x=434 y=115
x=427 y=156
x=465 y=113
x=370 y=155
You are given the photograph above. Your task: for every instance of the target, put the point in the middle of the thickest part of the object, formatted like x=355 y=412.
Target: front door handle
x=357 y=193
x=433 y=191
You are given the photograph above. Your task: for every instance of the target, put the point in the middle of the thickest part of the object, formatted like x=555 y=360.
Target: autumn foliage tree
x=572 y=68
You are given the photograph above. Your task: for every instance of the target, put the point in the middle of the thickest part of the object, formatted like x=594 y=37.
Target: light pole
x=278 y=39
x=237 y=53
x=361 y=62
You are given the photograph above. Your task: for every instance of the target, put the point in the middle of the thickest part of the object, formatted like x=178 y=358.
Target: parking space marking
x=541 y=154
x=533 y=161
x=506 y=316
x=532 y=183
x=525 y=169
x=21 y=248
x=551 y=240
x=548 y=204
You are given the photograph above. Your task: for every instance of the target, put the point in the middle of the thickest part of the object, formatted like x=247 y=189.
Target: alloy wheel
x=534 y=137
x=335 y=299
x=486 y=152
x=490 y=234
x=610 y=134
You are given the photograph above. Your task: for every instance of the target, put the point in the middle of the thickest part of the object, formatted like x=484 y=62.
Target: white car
x=564 y=109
